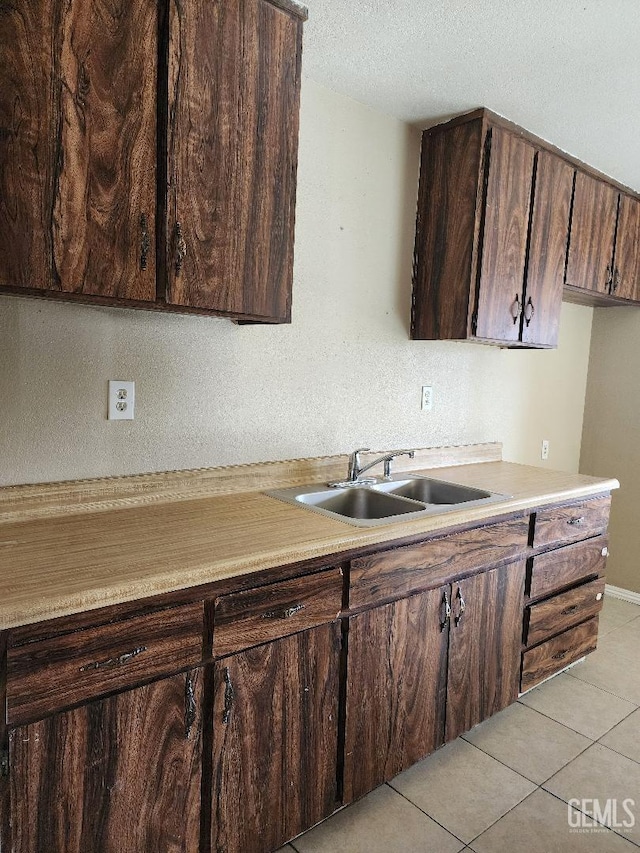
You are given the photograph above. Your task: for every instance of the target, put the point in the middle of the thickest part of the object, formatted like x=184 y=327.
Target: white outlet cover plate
x=122 y=400
x=427 y=398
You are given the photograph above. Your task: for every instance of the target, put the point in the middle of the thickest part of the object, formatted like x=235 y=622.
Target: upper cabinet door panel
x=234 y=79
x=626 y=274
x=26 y=144
x=506 y=223
x=77 y=147
x=548 y=250
x=593 y=227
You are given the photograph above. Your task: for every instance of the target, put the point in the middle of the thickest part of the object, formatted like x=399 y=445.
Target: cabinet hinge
x=4 y=763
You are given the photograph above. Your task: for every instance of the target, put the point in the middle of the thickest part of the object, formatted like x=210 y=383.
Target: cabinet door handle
x=447 y=612
x=112 y=662
x=145 y=242
x=181 y=248
x=616 y=279
x=285 y=613
x=568 y=610
x=609 y=277
x=462 y=606
x=516 y=309
x=576 y=520
x=529 y=311
x=559 y=655
x=229 y=696
x=189 y=706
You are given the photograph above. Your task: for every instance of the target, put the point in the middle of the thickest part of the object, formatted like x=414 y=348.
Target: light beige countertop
x=68 y=548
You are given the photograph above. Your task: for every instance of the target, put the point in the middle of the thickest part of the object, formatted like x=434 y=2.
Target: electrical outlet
x=122 y=399
x=544 y=450
x=427 y=398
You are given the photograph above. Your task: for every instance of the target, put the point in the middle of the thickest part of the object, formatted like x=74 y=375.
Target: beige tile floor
x=505 y=786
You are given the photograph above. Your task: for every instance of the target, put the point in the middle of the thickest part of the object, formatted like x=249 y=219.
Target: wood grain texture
x=396 y=689
x=234 y=85
x=256 y=616
x=115 y=776
x=550 y=657
x=626 y=273
x=558 y=569
x=484 y=646
x=445 y=230
x=393 y=574
x=44 y=677
x=275 y=735
x=77 y=147
x=593 y=224
x=506 y=224
x=557 y=525
x=547 y=250
x=562 y=611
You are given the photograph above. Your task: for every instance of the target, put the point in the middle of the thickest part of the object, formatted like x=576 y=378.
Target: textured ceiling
x=568 y=70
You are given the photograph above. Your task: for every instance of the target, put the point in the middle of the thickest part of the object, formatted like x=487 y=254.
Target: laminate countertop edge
x=45 y=593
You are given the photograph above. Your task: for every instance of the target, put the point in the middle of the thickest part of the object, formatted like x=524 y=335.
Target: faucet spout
x=354 y=477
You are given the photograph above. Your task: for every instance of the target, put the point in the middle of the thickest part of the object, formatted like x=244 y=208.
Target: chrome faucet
x=355 y=470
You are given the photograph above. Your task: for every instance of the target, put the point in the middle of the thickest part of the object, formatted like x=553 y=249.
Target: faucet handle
x=354 y=462
x=388 y=459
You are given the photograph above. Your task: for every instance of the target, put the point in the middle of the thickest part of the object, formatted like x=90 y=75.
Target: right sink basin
x=432 y=491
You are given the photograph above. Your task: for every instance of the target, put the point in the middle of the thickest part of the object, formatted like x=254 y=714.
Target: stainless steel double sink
x=403 y=497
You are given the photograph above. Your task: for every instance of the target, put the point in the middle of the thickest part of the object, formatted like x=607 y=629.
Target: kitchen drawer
x=266 y=613
x=555 y=570
x=395 y=573
x=560 y=612
x=556 y=525
x=550 y=657
x=48 y=675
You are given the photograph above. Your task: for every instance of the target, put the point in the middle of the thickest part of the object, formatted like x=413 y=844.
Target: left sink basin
x=362 y=506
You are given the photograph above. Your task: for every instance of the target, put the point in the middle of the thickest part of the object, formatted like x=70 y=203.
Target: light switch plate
x=122 y=399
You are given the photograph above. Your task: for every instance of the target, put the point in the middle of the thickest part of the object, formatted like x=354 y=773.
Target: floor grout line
x=620 y=835
x=595 y=740
x=422 y=811
x=604 y=689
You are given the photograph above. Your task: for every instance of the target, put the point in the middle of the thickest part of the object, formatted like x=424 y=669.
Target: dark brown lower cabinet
x=275 y=740
x=428 y=668
x=484 y=646
x=118 y=775
x=396 y=688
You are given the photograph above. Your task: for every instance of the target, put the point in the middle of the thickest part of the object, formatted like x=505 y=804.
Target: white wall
x=611 y=437
x=343 y=374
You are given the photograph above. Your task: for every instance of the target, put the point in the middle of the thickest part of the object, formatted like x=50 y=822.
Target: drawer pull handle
x=559 y=655
x=579 y=520
x=605 y=552
x=229 y=696
x=599 y=597
x=568 y=610
x=286 y=613
x=461 y=608
x=111 y=662
x=447 y=612
x=189 y=706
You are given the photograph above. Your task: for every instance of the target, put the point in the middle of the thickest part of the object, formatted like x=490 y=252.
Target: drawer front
x=393 y=574
x=557 y=525
x=545 y=660
x=562 y=611
x=46 y=676
x=255 y=616
x=555 y=570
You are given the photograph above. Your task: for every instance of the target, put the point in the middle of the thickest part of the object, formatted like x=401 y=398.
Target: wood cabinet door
x=593 y=228
x=547 y=250
x=484 y=646
x=121 y=775
x=626 y=272
x=275 y=740
x=78 y=147
x=234 y=80
x=396 y=688
x=504 y=237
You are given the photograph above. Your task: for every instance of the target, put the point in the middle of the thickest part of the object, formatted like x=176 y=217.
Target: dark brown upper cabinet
x=129 y=137
x=234 y=72
x=77 y=147
x=493 y=214
x=508 y=226
x=626 y=264
x=592 y=236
